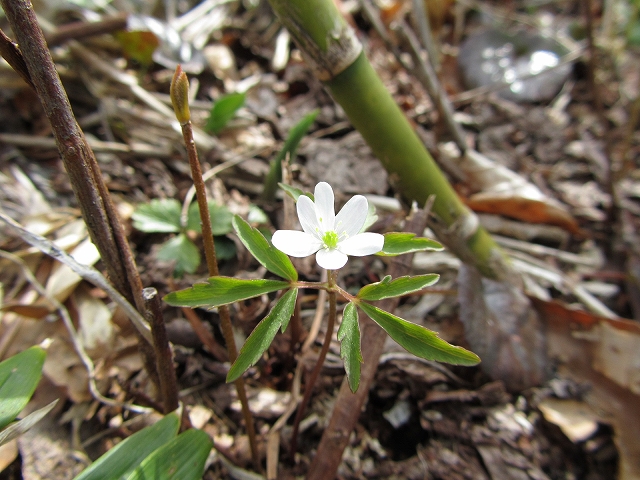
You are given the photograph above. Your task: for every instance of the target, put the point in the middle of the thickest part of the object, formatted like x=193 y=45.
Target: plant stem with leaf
x=180 y=101
x=308 y=390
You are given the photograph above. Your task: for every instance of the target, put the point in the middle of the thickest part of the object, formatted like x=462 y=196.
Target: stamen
x=330 y=239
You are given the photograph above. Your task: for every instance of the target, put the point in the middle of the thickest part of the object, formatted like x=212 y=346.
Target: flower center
x=330 y=239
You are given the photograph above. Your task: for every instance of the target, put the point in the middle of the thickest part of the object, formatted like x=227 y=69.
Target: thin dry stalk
x=308 y=389
x=164 y=355
x=179 y=98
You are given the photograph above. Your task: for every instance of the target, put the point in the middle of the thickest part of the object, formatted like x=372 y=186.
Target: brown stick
x=348 y=405
x=98 y=211
x=11 y=53
x=308 y=389
x=164 y=355
x=78 y=30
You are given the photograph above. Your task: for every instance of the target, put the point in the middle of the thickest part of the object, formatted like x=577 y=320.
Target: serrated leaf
x=224 y=110
x=220 y=216
x=398 y=243
x=387 y=288
x=221 y=291
x=294 y=192
x=159 y=215
x=182 y=458
x=264 y=333
x=270 y=257
x=19 y=377
x=349 y=337
x=16 y=429
x=127 y=455
x=297 y=132
x=418 y=340
x=183 y=251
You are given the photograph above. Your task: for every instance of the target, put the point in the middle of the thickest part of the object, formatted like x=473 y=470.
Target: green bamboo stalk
x=335 y=55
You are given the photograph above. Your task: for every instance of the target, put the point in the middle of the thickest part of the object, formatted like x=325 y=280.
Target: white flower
x=332 y=236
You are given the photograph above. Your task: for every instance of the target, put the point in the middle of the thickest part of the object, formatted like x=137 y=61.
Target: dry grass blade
x=88 y=273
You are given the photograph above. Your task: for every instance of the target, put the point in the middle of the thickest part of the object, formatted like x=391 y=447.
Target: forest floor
x=575 y=239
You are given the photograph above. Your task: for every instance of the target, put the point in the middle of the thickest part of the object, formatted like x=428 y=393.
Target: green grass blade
x=127 y=455
x=182 y=458
x=19 y=377
x=224 y=110
x=297 y=132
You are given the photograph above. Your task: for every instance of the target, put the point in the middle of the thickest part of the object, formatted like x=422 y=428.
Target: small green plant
x=19 y=377
x=297 y=132
x=224 y=110
x=163 y=216
x=332 y=238
x=157 y=452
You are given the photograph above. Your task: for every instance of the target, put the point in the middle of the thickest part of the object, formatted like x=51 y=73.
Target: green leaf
x=221 y=291
x=182 y=458
x=264 y=333
x=295 y=192
x=223 y=110
x=349 y=337
x=387 y=288
x=398 y=243
x=220 y=216
x=297 y=132
x=270 y=257
x=127 y=455
x=183 y=251
x=159 y=215
x=418 y=340
x=19 y=377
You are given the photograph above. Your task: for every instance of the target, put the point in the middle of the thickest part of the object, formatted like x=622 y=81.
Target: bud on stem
x=179 y=93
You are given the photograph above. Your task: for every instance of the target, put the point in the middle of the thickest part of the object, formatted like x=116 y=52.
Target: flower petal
x=308 y=217
x=352 y=217
x=325 y=208
x=331 y=259
x=362 y=244
x=295 y=243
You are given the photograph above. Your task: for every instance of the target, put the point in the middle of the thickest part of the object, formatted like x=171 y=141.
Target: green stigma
x=330 y=239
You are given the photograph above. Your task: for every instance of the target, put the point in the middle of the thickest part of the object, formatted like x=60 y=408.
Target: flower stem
x=180 y=104
x=332 y=277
